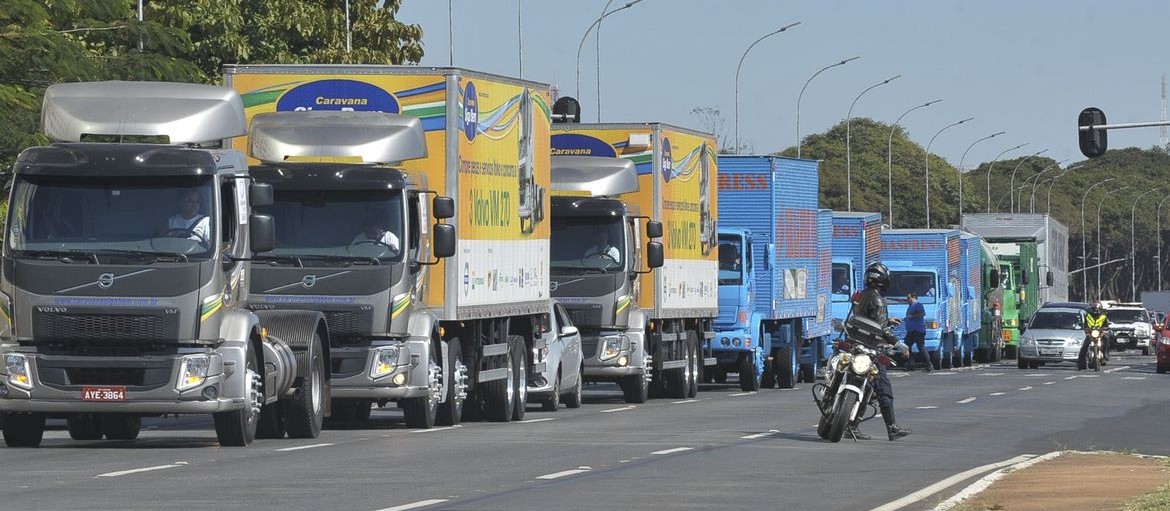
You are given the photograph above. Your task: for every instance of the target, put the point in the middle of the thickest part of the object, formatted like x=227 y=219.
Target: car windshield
x=584 y=243
x=1127 y=315
x=62 y=215
x=841 y=285
x=1053 y=320
x=921 y=283
x=730 y=261
x=360 y=224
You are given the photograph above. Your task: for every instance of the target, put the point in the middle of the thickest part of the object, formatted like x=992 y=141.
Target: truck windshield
x=921 y=283
x=1005 y=272
x=587 y=243
x=1056 y=321
x=842 y=288
x=1127 y=315
x=94 y=216
x=332 y=224
x=730 y=261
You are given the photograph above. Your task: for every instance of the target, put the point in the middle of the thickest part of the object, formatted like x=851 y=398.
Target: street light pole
x=964 y=157
x=1158 y=234
x=1084 y=259
x=740 y=66
x=890 y=160
x=1036 y=177
x=1012 y=186
x=597 y=57
x=1133 y=244
x=1099 y=202
x=586 y=35
x=848 y=154
x=928 y=144
x=801 y=95
x=992 y=167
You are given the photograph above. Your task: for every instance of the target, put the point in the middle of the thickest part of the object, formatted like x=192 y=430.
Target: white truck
x=1051 y=239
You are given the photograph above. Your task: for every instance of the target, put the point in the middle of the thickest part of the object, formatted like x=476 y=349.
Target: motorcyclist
x=872 y=305
x=1095 y=319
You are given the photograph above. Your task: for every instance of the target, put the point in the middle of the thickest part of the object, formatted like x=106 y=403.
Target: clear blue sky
x=1026 y=68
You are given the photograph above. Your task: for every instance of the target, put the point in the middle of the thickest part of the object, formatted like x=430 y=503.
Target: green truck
x=1018 y=267
x=991 y=318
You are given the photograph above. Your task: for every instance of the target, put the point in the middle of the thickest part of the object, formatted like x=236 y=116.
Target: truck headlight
x=385 y=361
x=862 y=363
x=19 y=374
x=611 y=347
x=192 y=372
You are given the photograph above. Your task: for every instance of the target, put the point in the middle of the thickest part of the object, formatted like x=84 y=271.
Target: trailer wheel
x=237 y=428
x=271 y=422
x=783 y=362
x=84 y=426
x=807 y=373
x=553 y=401
x=967 y=358
x=455 y=376
x=1009 y=352
x=121 y=427
x=520 y=362
x=696 y=361
x=305 y=410
x=23 y=429
x=749 y=378
x=499 y=396
x=981 y=355
x=935 y=360
x=573 y=398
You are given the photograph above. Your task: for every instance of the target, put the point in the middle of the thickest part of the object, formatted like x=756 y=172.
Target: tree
x=711 y=120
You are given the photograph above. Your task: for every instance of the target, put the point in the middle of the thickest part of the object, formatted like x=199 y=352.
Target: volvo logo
x=309 y=281
x=553 y=285
x=105 y=280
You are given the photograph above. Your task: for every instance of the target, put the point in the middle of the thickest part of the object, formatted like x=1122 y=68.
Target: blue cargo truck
x=816 y=344
x=971 y=280
x=857 y=243
x=926 y=262
x=768 y=258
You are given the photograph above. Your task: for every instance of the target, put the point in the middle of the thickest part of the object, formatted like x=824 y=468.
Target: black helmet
x=1096 y=307
x=878 y=276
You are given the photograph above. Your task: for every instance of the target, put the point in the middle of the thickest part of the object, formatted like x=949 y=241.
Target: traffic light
x=1093 y=142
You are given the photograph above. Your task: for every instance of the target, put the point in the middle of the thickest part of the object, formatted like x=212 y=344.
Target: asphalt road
x=725 y=450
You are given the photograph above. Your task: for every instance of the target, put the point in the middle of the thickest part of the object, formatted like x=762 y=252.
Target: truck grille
x=349 y=322
x=65 y=326
x=584 y=314
x=61 y=375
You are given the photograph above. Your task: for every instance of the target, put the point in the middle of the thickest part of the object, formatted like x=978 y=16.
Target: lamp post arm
x=890 y=159
x=586 y=36
x=801 y=95
x=739 y=67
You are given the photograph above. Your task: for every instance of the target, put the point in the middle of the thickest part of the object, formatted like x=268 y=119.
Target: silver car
x=561 y=354
x=1053 y=334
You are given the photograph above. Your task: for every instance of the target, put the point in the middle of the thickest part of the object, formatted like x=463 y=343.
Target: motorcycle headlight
x=1095 y=334
x=862 y=363
x=19 y=374
x=192 y=372
x=385 y=361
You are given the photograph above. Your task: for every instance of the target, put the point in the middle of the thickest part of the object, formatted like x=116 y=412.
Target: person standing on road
x=1096 y=318
x=916 y=331
x=872 y=305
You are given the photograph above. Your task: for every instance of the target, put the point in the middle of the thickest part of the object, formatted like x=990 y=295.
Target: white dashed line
x=1049 y=382
x=991 y=374
x=565 y=473
x=1134 y=378
x=1035 y=375
x=672 y=451
x=1115 y=369
x=530 y=421
x=684 y=402
x=1024 y=388
x=1071 y=377
x=301 y=447
x=925 y=407
x=622 y=409
x=415 y=505
x=140 y=470
x=432 y=430
x=1088 y=376
x=997 y=393
x=741 y=394
x=760 y=435
x=965 y=401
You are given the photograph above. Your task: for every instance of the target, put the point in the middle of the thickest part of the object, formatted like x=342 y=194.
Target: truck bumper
x=162 y=400
x=409 y=378
x=631 y=352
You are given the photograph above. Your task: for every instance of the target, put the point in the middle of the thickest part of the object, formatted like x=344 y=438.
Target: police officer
x=872 y=305
x=1096 y=318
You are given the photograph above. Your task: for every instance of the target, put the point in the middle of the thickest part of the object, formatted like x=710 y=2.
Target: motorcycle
x=1094 y=356
x=848 y=394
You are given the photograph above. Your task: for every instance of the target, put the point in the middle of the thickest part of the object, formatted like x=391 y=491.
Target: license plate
x=1050 y=351
x=89 y=393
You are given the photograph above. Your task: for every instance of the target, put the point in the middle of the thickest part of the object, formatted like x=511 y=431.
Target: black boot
x=896 y=432
x=852 y=429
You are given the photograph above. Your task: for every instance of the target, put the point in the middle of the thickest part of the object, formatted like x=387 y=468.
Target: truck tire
x=341 y=411
x=967 y=358
x=981 y=356
x=305 y=410
x=121 y=427
x=572 y=399
x=782 y=361
x=419 y=412
x=362 y=411
x=455 y=376
x=935 y=360
x=519 y=354
x=499 y=396
x=237 y=428
x=23 y=429
x=84 y=426
x=749 y=378
x=553 y=401
x=840 y=415
x=807 y=373
x=696 y=361
x=1009 y=352
x=636 y=387
x=271 y=424
x=719 y=374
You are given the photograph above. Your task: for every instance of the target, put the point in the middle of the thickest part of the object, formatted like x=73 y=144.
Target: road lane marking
x=1049 y=382
x=1024 y=388
x=622 y=409
x=947 y=483
x=1071 y=377
x=986 y=481
x=997 y=393
x=565 y=473
x=140 y=470
x=1134 y=378
x=684 y=402
x=1036 y=375
x=965 y=401
x=301 y=447
x=991 y=374
x=742 y=394
x=415 y=505
x=432 y=430
x=530 y=421
x=672 y=451
x=1088 y=376
x=925 y=407
x=1116 y=369
x=760 y=435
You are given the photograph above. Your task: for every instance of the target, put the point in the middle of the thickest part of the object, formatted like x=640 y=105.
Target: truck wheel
x=573 y=398
x=499 y=396
x=455 y=375
x=520 y=362
x=341 y=411
x=749 y=380
x=553 y=401
x=237 y=428
x=935 y=361
x=981 y=356
x=121 y=427
x=1009 y=352
x=271 y=422
x=719 y=374
x=362 y=411
x=967 y=355
x=84 y=426
x=636 y=387
x=768 y=379
x=807 y=373
x=783 y=362
x=305 y=410
x=23 y=429
x=420 y=412
x=696 y=361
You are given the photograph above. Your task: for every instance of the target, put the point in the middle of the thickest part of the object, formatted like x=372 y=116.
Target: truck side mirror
x=994 y=279
x=444 y=239
x=1048 y=279
x=444 y=207
x=654 y=254
x=260 y=194
x=262 y=231
x=1093 y=142
x=653 y=229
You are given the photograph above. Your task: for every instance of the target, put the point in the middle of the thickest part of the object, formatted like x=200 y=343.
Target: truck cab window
x=730 y=261
x=842 y=287
x=229 y=216
x=415 y=223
